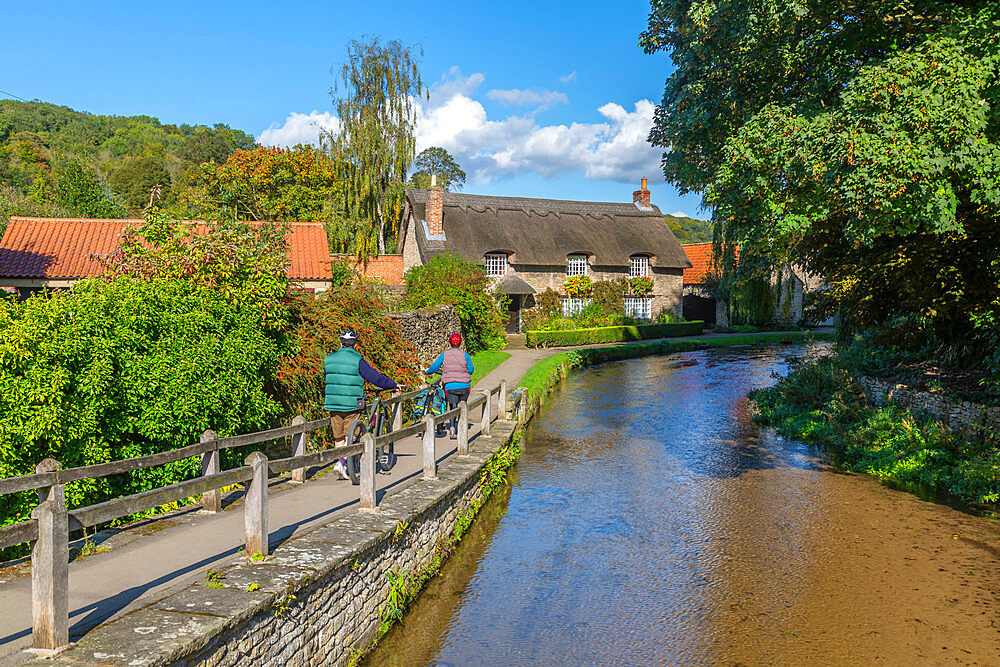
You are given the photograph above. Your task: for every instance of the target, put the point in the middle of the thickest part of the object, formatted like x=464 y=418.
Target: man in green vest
x=346 y=372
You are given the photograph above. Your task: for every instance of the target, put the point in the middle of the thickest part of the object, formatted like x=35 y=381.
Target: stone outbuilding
x=529 y=245
x=791 y=284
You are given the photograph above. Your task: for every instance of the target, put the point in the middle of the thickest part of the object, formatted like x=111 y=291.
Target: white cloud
x=491 y=150
x=521 y=98
x=680 y=214
x=568 y=78
x=299 y=128
x=613 y=149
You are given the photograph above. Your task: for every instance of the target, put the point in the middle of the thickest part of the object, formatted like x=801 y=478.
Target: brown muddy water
x=650 y=522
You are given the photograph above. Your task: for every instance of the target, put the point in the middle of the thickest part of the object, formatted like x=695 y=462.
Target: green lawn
x=486 y=361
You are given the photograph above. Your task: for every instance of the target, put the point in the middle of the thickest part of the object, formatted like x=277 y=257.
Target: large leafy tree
x=438 y=162
x=375 y=144
x=79 y=189
x=296 y=184
x=861 y=139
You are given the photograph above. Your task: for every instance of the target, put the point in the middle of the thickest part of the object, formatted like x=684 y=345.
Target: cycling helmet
x=455 y=339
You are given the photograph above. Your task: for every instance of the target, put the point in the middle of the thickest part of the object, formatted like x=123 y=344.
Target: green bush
x=572 y=337
x=820 y=403
x=124 y=368
x=447 y=279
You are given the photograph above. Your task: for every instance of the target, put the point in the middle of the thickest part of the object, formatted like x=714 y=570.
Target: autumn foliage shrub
x=316 y=324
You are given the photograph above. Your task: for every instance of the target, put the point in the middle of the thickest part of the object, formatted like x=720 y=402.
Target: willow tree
x=375 y=146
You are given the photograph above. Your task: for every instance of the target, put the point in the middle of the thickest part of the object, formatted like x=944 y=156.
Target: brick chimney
x=641 y=196
x=435 y=208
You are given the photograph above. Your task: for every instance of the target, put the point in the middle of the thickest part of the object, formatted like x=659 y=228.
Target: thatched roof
x=541 y=232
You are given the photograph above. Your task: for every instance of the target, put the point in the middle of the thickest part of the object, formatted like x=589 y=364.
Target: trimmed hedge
x=573 y=337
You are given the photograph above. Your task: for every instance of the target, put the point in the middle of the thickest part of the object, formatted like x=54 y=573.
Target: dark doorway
x=699 y=308
x=513 y=313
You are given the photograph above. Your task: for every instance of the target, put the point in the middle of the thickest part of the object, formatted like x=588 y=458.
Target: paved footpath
x=148 y=560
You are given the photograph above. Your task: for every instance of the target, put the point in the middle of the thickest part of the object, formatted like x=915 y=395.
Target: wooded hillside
x=55 y=161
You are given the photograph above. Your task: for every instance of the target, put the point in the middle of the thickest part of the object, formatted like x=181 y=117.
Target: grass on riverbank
x=485 y=361
x=543 y=376
x=820 y=403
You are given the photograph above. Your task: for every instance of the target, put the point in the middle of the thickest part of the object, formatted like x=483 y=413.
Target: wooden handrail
x=50 y=539
x=16 y=533
x=271 y=434
x=322 y=457
x=138 y=502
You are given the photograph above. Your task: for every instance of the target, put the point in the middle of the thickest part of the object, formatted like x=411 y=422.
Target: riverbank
x=821 y=403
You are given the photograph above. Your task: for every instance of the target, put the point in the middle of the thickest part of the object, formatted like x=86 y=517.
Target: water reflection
x=651 y=523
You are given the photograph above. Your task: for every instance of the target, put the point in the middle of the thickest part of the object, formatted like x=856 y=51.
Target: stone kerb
x=952 y=412
x=315 y=600
x=428 y=329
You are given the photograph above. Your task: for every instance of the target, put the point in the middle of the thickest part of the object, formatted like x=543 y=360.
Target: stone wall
x=668 y=284
x=428 y=329
x=315 y=601
x=952 y=412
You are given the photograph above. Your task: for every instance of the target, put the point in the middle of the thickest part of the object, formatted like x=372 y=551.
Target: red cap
x=455 y=339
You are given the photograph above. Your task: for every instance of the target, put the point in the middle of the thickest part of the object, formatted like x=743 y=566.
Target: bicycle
x=377 y=421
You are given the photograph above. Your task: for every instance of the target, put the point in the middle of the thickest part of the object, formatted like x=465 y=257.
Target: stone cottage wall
x=428 y=329
x=952 y=412
x=668 y=284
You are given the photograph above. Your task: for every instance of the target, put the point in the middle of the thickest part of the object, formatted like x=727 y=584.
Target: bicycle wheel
x=354 y=433
x=386 y=454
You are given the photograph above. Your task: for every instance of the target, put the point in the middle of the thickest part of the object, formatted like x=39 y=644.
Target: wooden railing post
x=211 y=501
x=502 y=401
x=50 y=568
x=430 y=458
x=484 y=427
x=463 y=429
x=255 y=517
x=368 y=473
x=397 y=416
x=300 y=443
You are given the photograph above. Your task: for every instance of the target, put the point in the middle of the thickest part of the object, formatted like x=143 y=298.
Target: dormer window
x=576 y=265
x=638 y=266
x=496 y=264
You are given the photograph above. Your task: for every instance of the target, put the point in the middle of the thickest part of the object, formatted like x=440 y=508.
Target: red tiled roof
x=61 y=247
x=700 y=255
x=387 y=267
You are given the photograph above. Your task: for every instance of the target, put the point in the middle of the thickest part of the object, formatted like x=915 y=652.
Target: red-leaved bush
x=317 y=320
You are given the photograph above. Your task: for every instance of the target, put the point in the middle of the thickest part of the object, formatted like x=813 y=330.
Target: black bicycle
x=378 y=422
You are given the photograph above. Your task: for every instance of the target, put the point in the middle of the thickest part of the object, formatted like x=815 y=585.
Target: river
x=649 y=521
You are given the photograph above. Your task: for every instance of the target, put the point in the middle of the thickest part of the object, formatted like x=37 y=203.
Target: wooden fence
x=51 y=523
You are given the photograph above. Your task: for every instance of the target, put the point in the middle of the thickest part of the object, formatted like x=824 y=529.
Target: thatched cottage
x=528 y=245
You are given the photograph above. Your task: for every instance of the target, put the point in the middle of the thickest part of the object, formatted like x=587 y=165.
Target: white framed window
x=639 y=307
x=638 y=266
x=572 y=305
x=576 y=265
x=496 y=264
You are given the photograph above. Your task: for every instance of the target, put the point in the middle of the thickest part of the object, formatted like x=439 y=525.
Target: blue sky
x=538 y=99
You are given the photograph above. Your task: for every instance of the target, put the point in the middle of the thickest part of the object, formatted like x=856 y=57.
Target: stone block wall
x=428 y=329
x=668 y=284
x=952 y=412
